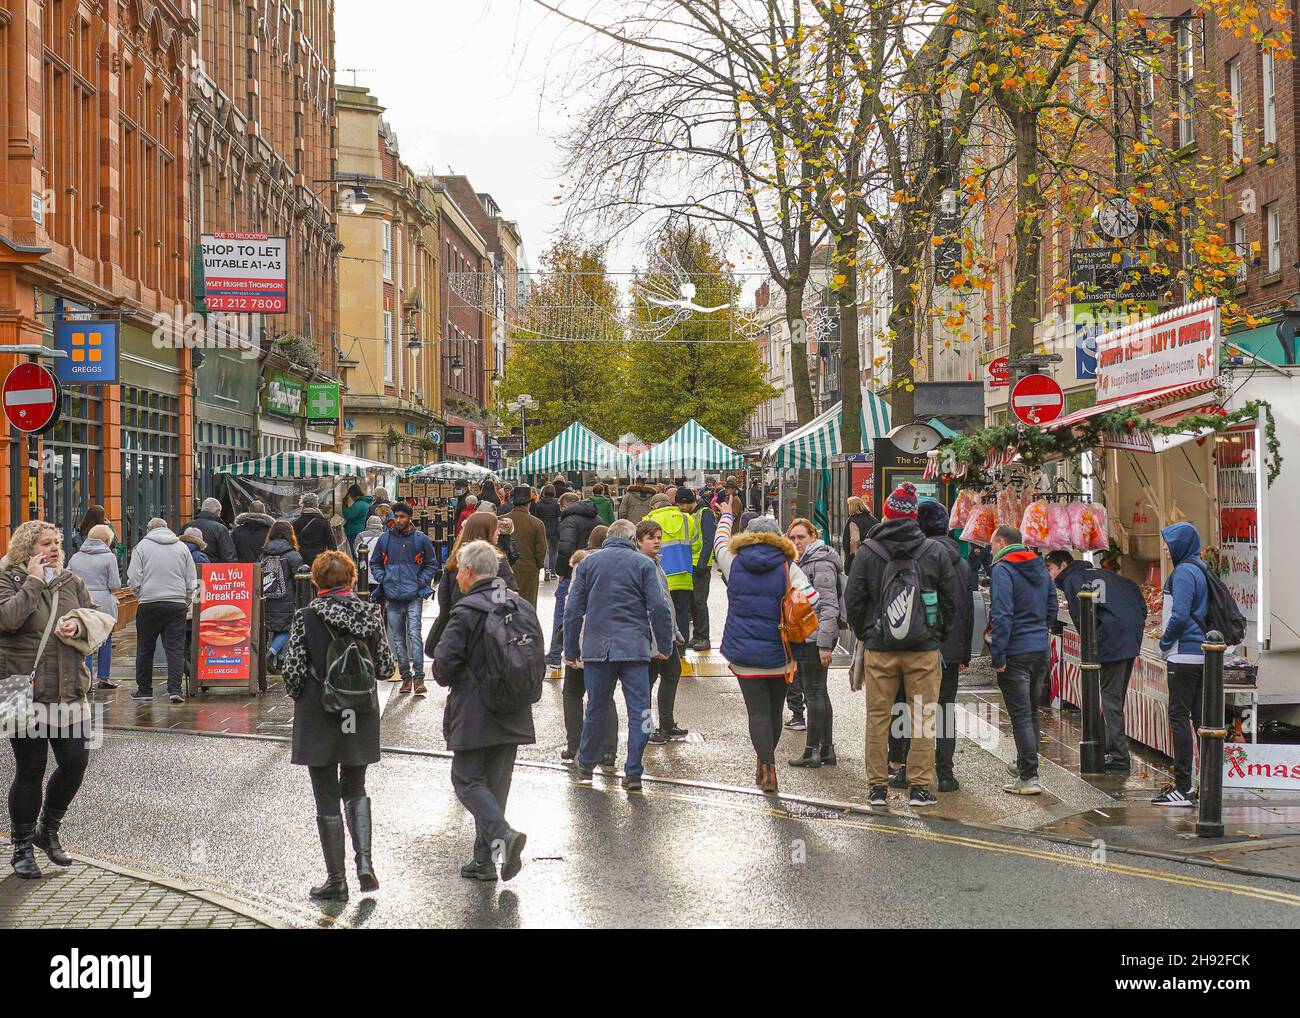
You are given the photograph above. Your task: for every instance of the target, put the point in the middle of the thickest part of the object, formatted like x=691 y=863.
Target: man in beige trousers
x=901 y=599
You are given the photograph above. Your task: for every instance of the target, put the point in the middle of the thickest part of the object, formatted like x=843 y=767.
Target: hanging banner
x=223 y=625
x=1092 y=321
x=323 y=403
x=1178 y=347
x=246 y=272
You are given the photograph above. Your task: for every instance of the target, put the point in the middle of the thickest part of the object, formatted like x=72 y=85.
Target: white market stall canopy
x=690 y=447
x=814 y=445
x=448 y=470
x=307 y=464
x=575 y=448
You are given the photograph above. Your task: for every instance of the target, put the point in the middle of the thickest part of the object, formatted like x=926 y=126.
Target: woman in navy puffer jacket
x=754 y=567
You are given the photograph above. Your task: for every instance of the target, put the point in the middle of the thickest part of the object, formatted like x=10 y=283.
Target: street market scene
x=808 y=465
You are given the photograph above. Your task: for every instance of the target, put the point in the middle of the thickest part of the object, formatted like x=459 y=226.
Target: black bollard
x=302 y=590
x=1213 y=730
x=1092 y=743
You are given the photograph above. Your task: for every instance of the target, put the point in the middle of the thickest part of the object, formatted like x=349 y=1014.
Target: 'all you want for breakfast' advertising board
x=223 y=644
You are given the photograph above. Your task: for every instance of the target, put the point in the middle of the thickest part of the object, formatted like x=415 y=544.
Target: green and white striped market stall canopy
x=690 y=447
x=447 y=470
x=575 y=448
x=813 y=446
x=307 y=464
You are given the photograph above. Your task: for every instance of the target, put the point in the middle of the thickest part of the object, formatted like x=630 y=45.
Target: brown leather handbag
x=798 y=617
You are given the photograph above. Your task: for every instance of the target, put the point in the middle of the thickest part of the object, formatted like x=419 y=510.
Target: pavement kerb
x=189 y=888
x=830 y=805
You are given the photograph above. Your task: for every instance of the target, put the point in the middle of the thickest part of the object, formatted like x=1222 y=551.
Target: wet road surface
x=236 y=814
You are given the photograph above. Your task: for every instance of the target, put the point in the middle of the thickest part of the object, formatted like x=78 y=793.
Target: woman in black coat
x=280 y=552
x=478 y=527
x=547 y=509
x=336 y=754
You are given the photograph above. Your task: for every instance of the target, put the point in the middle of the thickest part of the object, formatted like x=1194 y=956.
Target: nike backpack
x=904 y=610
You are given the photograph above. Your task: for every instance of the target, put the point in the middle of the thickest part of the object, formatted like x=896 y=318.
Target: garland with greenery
x=1038 y=445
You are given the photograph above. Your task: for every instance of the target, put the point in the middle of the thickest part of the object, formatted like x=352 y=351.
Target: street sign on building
x=284 y=396
x=999 y=373
x=31 y=398
x=1037 y=399
x=322 y=403
x=246 y=272
x=92 y=349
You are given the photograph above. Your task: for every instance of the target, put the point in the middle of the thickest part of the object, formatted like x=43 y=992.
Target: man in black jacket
x=901 y=639
x=249 y=532
x=932 y=518
x=215 y=533
x=315 y=534
x=547 y=509
x=578 y=518
x=1121 y=619
x=483 y=743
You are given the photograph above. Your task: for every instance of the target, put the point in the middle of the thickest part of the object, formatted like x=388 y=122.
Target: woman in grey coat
x=96 y=564
x=822 y=567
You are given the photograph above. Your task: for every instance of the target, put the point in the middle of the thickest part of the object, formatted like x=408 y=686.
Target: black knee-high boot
x=358 y=814
x=334 y=848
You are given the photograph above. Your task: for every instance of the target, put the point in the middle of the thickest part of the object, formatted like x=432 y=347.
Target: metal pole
x=1092 y=742
x=302 y=590
x=523 y=431
x=1209 y=823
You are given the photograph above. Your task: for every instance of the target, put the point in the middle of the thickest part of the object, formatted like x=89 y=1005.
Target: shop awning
x=575 y=448
x=814 y=445
x=447 y=470
x=306 y=464
x=1193 y=395
x=690 y=447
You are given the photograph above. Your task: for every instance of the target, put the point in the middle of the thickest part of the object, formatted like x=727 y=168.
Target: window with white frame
x=388 y=251
x=1240 y=247
x=1273 y=226
x=1186 y=83
x=398 y=255
x=1238 y=117
x=388 y=346
x=1268 y=86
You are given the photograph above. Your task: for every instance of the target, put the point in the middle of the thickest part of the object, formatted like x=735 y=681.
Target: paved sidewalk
x=88 y=896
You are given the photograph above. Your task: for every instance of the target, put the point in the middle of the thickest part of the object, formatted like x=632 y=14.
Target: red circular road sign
x=999 y=373
x=31 y=397
x=1037 y=399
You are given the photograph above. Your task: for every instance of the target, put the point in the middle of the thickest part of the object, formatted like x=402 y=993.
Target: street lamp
x=360 y=197
x=522 y=403
x=457 y=368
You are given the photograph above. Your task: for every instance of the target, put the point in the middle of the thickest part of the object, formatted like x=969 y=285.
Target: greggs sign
x=1178 y=347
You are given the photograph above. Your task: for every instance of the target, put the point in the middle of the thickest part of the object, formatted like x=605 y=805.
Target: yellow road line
x=1117 y=869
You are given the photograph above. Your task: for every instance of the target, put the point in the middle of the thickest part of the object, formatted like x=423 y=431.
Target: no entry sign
x=31 y=398
x=1037 y=399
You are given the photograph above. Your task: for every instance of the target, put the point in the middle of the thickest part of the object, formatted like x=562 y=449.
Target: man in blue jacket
x=1121 y=618
x=1187 y=601
x=402 y=564
x=614 y=618
x=1022 y=601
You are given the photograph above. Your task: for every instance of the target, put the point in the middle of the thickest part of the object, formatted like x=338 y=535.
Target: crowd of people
x=634 y=578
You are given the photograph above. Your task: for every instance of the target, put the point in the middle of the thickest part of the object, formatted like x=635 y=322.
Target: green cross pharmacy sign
x=322 y=403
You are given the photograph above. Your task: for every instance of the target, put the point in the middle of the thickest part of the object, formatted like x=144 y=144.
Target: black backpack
x=1222 y=612
x=274 y=583
x=514 y=654
x=903 y=617
x=350 y=672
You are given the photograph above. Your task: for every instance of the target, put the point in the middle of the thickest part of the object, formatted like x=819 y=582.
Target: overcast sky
x=462 y=81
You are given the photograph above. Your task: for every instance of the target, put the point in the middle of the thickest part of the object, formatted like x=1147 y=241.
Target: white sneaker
x=1029 y=786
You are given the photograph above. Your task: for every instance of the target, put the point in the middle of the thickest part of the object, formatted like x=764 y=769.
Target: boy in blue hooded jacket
x=1187 y=600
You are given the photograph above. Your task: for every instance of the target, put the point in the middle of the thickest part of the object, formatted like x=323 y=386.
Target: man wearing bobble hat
x=901 y=600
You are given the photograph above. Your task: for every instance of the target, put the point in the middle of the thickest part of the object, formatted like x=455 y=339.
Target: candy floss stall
x=1186 y=428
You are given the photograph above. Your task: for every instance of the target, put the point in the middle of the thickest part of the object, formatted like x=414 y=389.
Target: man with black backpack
x=490 y=657
x=1022 y=600
x=901 y=600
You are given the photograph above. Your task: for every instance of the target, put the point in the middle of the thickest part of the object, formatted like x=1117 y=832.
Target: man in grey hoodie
x=164 y=581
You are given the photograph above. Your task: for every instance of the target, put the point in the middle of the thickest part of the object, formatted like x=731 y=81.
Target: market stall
x=575 y=449
x=1176 y=435
x=279 y=480
x=448 y=470
x=689 y=449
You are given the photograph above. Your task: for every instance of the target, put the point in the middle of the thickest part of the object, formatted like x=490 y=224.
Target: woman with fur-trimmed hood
x=755 y=566
x=636 y=500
